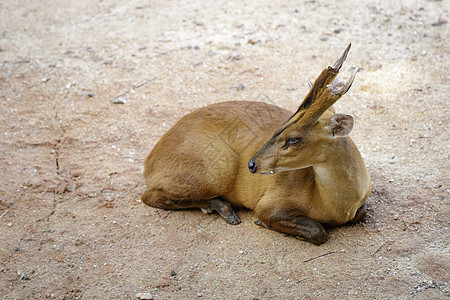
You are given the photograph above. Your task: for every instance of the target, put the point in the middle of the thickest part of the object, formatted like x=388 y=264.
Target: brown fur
x=202 y=162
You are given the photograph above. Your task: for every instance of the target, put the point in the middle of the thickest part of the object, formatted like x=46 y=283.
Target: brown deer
x=307 y=173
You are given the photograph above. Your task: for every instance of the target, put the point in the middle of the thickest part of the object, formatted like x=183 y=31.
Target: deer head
x=304 y=139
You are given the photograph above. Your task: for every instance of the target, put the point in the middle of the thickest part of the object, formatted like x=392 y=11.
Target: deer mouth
x=267 y=172
x=275 y=170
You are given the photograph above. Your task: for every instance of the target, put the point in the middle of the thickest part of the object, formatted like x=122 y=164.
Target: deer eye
x=293 y=141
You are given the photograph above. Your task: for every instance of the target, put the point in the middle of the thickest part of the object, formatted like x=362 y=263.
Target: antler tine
x=309 y=83
x=338 y=64
x=334 y=91
x=327 y=98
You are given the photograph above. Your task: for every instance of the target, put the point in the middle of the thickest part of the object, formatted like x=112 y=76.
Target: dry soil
x=71 y=222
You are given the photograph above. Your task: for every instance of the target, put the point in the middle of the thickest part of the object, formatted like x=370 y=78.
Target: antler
x=330 y=94
x=322 y=94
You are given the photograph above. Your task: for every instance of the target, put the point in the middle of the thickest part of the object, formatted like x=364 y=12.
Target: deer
x=299 y=173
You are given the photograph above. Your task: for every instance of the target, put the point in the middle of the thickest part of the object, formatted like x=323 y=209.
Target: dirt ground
x=71 y=221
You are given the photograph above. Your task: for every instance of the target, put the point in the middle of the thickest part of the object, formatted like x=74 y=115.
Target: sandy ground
x=71 y=222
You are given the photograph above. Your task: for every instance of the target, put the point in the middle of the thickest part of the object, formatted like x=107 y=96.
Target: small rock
x=119 y=100
x=75 y=174
x=240 y=87
x=375 y=10
x=222 y=46
x=375 y=66
x=236 y=56
x=253 y=42
x=173 y=273
x=144 y=296
x=440 y=22
x=23 y=276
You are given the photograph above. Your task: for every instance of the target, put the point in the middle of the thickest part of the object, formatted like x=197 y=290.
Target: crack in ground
x=58 y=168
x=56 y=146
x=57 y=155
x=58 y=143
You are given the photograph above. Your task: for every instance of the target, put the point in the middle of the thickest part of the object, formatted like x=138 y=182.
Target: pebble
x=119 y=100
x=23 y=276
x=253 y=42
x=144 y=296
x=375 y=66
x=236 y=56
x=440 y=22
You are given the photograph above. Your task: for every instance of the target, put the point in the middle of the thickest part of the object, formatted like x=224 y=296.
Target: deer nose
x=252 y=165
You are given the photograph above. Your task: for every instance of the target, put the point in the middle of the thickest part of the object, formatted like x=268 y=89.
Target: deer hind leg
x=223 y=208
x=291 y=222
x=160 y=199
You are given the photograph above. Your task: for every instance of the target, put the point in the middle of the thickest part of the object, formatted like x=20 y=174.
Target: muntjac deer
x=307 y=174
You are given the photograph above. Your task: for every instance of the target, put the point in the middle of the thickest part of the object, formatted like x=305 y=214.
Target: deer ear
x=341 y=125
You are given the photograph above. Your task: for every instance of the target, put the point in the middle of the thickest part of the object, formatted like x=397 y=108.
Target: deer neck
x=342 y=180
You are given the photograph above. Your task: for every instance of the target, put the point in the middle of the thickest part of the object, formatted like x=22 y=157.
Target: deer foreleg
x=291 y=222
x=360 y=214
